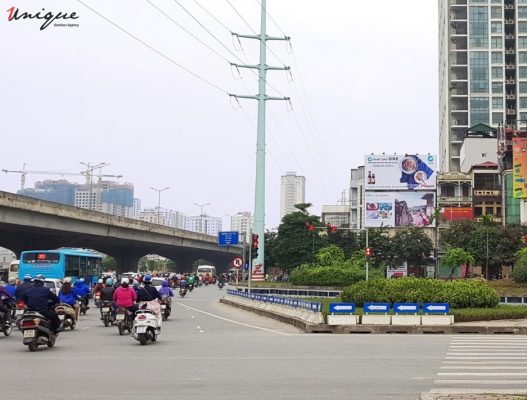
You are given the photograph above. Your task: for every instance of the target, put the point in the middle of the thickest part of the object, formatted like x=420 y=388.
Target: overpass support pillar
x=127 y=261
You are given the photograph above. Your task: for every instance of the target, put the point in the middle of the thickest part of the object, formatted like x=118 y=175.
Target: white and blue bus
x=60 y=263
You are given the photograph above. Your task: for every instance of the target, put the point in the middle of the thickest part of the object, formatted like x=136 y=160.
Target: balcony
x=486 y=193
x=510 y=96
x=454 y=199
x=509 y=36
x=509 y=21
x=510 y=111
x=510 y=66
x=459 y=15
x=510 y=51
x=509 y=6
x=510 y=81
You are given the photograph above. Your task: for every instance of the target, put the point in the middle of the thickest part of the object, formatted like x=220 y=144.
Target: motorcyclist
x=11 y=287
x=148 y=292
x=125 y=296
x=107 y=293
x=23 y=287
x=191 y=280
x=166 y=291
x=68 y=295
x=221 y=280
x=39 y=298
x=4 y=294
x=83 y=291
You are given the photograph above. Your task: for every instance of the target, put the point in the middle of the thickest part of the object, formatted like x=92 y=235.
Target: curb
x=382 y=329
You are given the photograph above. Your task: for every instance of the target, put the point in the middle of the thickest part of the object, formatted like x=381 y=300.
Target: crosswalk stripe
x=482 y=374
x=483 y=367
x=455 y=362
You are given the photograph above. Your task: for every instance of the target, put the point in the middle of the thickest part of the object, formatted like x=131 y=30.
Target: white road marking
x=239 y=323
x=482 y=367
x=480 y=382
x=482 y=374
x=477 y=391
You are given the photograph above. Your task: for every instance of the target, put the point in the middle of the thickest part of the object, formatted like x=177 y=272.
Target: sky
x=363 y=80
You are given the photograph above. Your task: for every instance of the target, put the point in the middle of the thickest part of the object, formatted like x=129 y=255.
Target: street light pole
x=201 y=206
x=159 y=200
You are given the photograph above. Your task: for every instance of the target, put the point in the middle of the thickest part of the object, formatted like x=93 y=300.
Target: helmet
x=38 y=279
x=81 y=280
x=125 y=280
x=99 y=281
x=68 y=279
x=27 y=277
x=109 y=282
x=147 y=278
x=12 y=281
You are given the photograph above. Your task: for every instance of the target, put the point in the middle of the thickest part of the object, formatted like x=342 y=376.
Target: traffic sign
x=246 y=267
x=348 y=308
x=237 y=262
x=376 y=307
x=436 y=308
x=406 y=308
x=228 y=238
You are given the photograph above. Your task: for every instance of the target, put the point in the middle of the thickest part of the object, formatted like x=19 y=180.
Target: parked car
x=53 y=284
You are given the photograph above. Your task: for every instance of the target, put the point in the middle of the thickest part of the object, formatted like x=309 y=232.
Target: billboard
x=397 y=271
x=457 y=213
x=519 y=162
x=400 y=172
x=397 y=209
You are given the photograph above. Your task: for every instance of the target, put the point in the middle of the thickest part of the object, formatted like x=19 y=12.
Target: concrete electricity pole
x=262 y=67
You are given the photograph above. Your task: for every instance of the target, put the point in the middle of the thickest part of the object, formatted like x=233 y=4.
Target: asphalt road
x=208 y=350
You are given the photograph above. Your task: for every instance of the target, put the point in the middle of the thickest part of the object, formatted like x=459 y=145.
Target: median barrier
x=376 y=319
x=406 y=320
x=343 y=319
x=428 y=320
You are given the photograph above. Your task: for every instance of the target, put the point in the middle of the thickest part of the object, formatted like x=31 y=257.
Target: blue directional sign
x=401 y=308
x=229 y=238
x=436 y=308
x=376 y=307
x=348 y=308
x=246 y=267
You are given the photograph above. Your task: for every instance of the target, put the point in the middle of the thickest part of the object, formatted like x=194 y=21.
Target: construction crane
x=24 y=172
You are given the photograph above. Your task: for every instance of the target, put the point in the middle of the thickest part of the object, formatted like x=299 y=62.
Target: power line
x=187 y=31
x=153 y=49
x=212 y=15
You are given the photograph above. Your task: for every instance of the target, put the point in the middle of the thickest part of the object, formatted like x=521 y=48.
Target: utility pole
x=262 y=67
x=159 y=200
x=201 y=206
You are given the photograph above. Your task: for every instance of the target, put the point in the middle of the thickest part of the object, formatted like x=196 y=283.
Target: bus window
x=82 y=266
x=72 y=266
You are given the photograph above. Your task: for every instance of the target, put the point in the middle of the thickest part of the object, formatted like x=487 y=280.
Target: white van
x=206 y=269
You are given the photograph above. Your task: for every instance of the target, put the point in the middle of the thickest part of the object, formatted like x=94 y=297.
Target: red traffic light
x=255 y=241
x=369 y=252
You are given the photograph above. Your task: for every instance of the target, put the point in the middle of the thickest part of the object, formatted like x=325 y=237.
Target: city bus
x=60 y=263
x=207 y=269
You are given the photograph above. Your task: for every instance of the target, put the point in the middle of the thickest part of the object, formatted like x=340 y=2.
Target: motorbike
x=82 y=304
x=108 y=316
x=6 y=324
x=221 y=285
x=36 y=330
x=146 y=326
x=124 y=320
x=97 y=299
x=190 y=287
x=166 y=303
x=182 y=292
x=67 y=315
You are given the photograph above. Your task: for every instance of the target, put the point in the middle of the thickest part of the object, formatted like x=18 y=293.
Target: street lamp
x=159 y=200
x=89 y=177
x=201 y=206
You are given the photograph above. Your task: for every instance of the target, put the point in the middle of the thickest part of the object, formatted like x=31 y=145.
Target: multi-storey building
x=482 y=69
x=357 y=191
x=106 y=196
x=161 y=216
x=204 y=224
x=292 y=191
x=58 y=191
x=242 y=222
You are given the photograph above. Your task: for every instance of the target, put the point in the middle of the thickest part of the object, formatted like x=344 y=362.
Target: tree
x=411 y=245
x=379 y=241
x=303 y=207
x=347 y=240
x=296 y=244
x=109 y=263
x=456 y=257
x=330 y=255
x=270 y=244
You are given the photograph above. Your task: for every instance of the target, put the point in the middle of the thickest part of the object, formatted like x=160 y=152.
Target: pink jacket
x=124 y=297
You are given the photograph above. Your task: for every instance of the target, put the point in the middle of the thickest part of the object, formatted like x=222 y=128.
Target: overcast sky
x=94 y=94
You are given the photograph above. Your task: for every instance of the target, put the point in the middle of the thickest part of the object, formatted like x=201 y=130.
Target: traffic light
x=369 y=252
x=254 y=246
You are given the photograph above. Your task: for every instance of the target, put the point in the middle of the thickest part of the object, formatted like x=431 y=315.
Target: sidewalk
x=495 y=323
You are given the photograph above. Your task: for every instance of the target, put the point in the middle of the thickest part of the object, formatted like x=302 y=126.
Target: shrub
x=459 y=293
x=333 y=275
x=519 y=273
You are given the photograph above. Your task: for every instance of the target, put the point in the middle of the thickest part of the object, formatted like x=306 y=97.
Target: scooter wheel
x=7 y=330
x=51 y=343
x=143 y=340
x=33 y=346
x=72 y=326
x=121 y=330
x=106 y=322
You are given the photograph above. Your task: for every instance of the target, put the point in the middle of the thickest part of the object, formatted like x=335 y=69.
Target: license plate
x=106 y=309
x=29 y=333
x=140 y=329
x=61 y=317
x=163 y=306
x=19 y=312
x=97 y=297
x=119 y=317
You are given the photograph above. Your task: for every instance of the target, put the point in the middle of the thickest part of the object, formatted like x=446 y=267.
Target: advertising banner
x=457 y=213
x=396 y=209
x=400 y=172
x=519 y=158
x=397 y=271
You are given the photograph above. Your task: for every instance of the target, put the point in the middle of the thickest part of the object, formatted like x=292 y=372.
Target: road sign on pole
x=237 y=262
x=229 y=238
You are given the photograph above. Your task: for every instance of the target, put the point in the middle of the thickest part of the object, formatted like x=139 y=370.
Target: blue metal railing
x=314 y=306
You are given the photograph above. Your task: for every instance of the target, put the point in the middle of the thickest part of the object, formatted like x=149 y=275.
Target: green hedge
x=469 y=293
x=488 y=314
x=308 y=275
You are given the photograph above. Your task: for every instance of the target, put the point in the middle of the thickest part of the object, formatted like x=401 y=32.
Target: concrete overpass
x=30 y=224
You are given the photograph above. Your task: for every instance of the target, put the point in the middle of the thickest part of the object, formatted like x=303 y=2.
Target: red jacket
x=124 y=297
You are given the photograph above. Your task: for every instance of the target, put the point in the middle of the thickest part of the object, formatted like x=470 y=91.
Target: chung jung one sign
x=400 y=172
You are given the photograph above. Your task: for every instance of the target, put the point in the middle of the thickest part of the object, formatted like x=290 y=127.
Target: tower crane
x=24 y=172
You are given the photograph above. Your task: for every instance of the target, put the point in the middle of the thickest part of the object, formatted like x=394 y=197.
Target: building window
x=479 y=110
x=497 y=73
x=496 y=42
x=522 y=27
x=447 y=191
x=522 y=42
x=522 y=72
x=496 y=27
x=477 y=211
x=522 y=57
x=522 y=12
x=479 y=34
x=497 y=102
x=465 y=191
x=497 y=87
x=495 y=12
x=523 y=87
x=497 y=57
x=497 y=117
x=479 y=72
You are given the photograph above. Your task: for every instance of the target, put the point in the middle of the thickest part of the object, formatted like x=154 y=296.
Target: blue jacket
x=166 y=291
x=70 y=298
x=39 y=298
x=81 y=289
x=11 y=289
